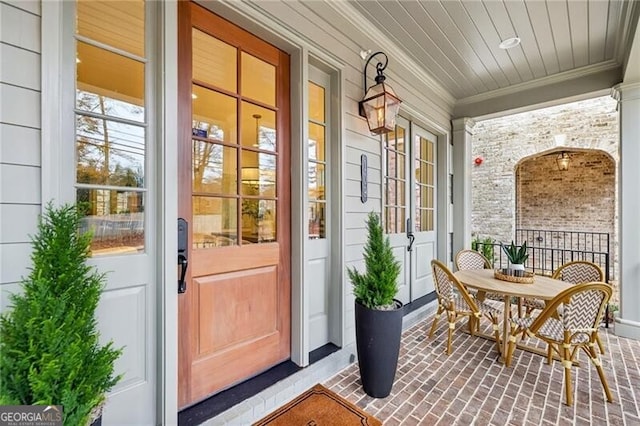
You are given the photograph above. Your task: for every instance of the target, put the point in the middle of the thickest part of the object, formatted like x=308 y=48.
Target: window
x=111 y=124
x=317 y=165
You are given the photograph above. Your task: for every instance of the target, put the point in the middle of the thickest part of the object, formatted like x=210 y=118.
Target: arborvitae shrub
x=377 y=287
x=49 y=348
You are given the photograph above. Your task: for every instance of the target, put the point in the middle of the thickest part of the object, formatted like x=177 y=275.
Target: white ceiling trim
x=369 y=30
x=540 y=82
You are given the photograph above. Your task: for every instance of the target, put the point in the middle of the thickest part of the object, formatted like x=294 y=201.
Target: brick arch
x=581 y=198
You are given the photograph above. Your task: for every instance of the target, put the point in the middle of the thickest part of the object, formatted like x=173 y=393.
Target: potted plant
x=49 y=351
x=378 y=314
x=517 y=256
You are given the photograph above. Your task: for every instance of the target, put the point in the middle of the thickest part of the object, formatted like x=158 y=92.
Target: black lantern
x=380 y=104
x=563 y=161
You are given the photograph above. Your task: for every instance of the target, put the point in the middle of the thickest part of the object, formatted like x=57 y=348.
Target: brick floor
x=471 y=386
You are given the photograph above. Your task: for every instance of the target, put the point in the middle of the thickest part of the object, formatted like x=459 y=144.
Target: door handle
x=184 y=264
x=410 y=235
x=183 y=249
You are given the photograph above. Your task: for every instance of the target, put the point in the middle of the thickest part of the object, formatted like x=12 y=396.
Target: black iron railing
x=548 y=250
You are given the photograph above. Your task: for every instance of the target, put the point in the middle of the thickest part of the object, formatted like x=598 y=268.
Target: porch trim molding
x=462 y=140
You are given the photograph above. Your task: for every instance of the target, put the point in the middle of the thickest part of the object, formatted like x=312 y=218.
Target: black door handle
x=184 y=264
x=183 y=249
x=410 y=235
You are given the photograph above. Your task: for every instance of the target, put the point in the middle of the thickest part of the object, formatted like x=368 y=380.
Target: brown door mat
x=319 y=407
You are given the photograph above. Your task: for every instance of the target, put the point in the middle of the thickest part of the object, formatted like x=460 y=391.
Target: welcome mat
x=319 y=407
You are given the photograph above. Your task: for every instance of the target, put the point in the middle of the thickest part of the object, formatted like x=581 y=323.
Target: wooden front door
x=234 y=193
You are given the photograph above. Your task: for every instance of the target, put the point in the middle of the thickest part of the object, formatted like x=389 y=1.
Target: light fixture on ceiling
x=563 y=161
x=194 y=96
x=380 y=104
x=509 y=43
x=257 y=117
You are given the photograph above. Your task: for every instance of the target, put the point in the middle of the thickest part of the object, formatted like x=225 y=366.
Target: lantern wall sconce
x=563 y=161
x=380 y=104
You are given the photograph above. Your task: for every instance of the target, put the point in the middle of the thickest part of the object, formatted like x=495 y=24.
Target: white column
x=628 y=323
x=462 y=137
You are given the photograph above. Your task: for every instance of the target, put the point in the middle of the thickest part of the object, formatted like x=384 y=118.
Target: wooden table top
x=544 y=288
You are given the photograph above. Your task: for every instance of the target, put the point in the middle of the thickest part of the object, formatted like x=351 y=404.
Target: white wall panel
x=19 y=184
x=14 y=262
x=19 y=145
x=19 y=106
x=19 y=28
x=31 y=6
x=19 y=67
x=18 y=221
x=5 y=291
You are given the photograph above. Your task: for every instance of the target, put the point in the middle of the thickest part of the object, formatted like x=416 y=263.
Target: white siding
x=20 y=194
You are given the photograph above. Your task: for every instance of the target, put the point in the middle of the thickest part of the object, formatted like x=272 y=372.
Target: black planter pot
x=378 y=342
x=97 y=421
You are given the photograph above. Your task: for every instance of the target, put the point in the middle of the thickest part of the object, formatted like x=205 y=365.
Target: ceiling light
x=509 y=43
x=194 y=96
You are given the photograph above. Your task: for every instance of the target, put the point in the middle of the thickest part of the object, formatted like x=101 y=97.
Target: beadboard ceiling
x=456 y=42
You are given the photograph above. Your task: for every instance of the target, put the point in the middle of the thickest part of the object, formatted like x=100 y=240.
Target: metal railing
x=548 y=250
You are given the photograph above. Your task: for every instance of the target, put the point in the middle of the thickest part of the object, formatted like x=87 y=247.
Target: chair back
x=445 y=284
x=471 y=259
x=583 y=308
x=578 y=272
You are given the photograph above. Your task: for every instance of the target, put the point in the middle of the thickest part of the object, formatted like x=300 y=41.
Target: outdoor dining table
x=544 y=288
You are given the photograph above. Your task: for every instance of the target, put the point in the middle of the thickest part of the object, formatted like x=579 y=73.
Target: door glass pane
x=214 y=115
x=214 y=222
x=116 y=23
x=214 y=61
x=317 y=220
x=258 y=127
x=316 y=181
x=258 y=174
x=316 y=103
x=316 y=142
x=258 y=80
x=109 y=84
x=109 y=153
x=116 y=219
x=391 y=192
x=258 y=221
x=214 y=168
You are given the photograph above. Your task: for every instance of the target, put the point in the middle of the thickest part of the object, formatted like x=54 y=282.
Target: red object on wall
x=478 y=161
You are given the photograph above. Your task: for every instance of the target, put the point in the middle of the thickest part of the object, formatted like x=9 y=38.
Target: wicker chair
x=458 y=303
x=583 y=306
x=471 y=259
x=576 y=272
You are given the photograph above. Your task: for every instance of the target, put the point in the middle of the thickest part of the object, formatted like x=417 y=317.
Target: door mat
x=319 y=406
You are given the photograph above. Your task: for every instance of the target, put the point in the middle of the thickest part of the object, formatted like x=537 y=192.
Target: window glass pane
x=316 y=181
x=214 y=61
x=116 y=219
x=109 y=153
x=109 y=84
x=214 y=168
x=317 y=220
x=316 y=103
x=316 y=142
x=117 y=23
x=401 y=163
x=391 y=164
x=258 y=221
x=400 y=142
x=215 y=222
x=258 y=174
x=429 y=174
x=390 y=215
x=258 y=79
x=391 y=192
x=401 y=192
x=400 y=220
x=258 y=127
x=214 y=115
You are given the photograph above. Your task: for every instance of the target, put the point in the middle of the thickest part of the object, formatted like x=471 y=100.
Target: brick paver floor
x=471 y=387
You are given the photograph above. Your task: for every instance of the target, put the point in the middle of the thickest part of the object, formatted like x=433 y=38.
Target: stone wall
x=518 y=183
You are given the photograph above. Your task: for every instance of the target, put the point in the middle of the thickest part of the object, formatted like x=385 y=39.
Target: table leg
x=505 y=327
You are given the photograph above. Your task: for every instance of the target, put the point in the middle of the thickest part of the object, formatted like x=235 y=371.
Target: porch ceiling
x=568 y=48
